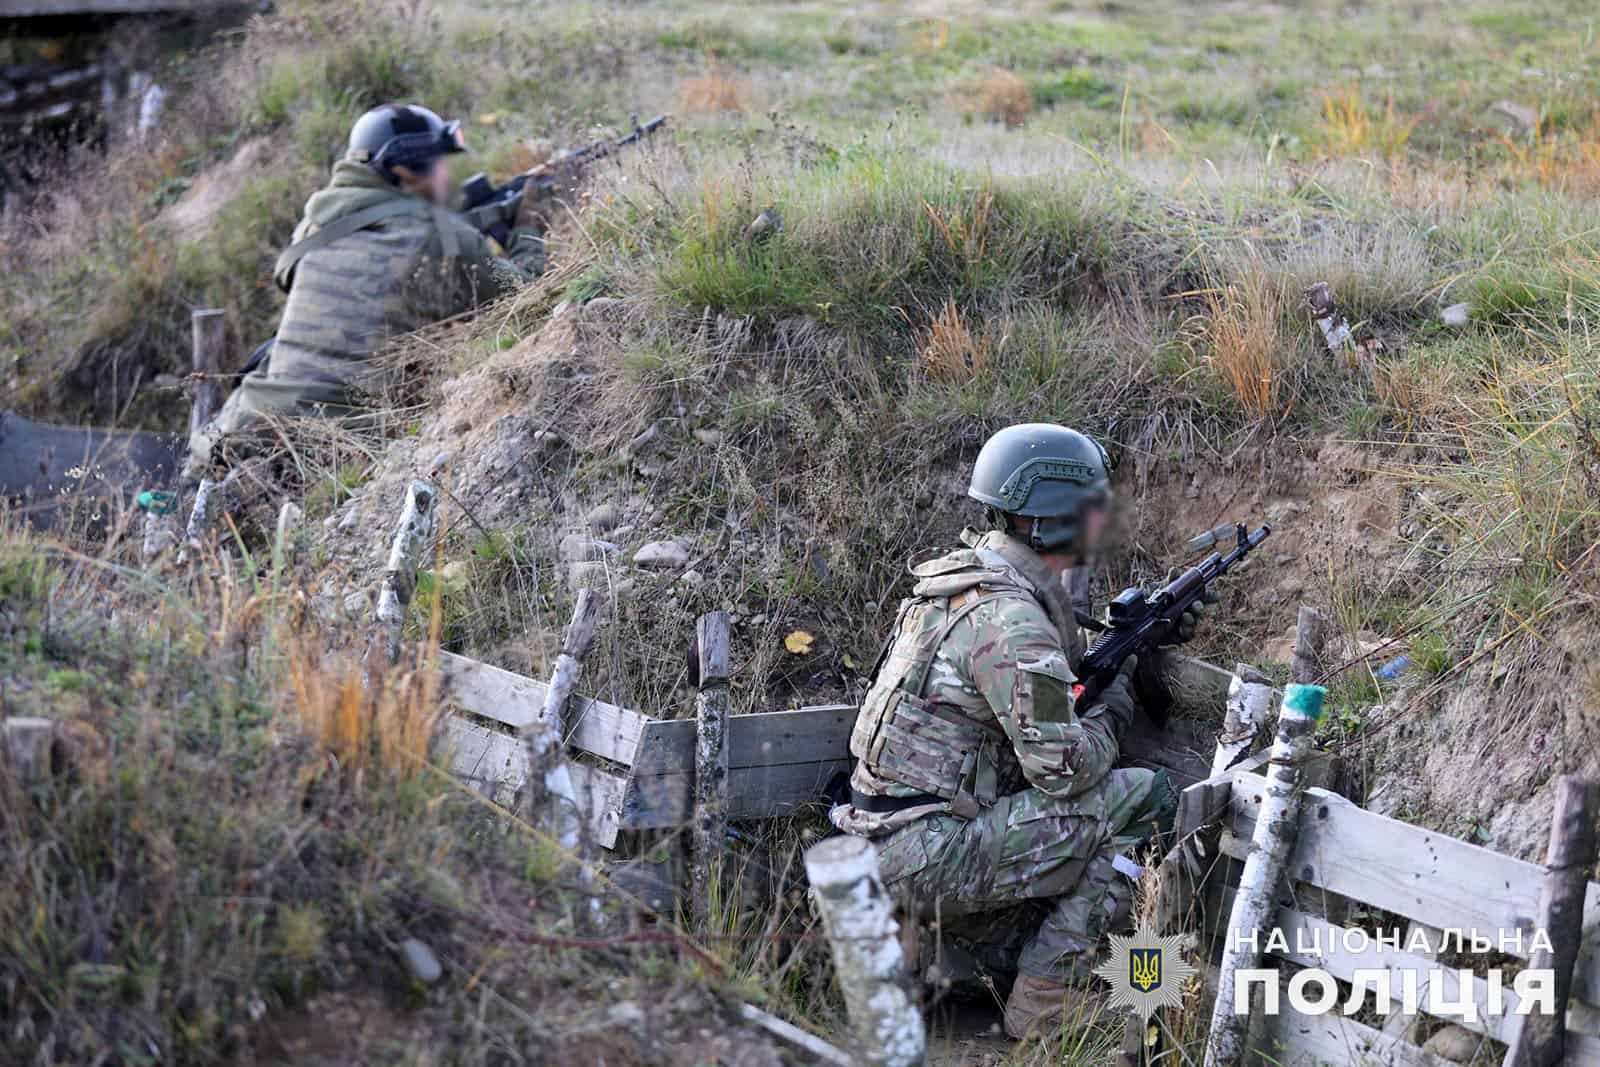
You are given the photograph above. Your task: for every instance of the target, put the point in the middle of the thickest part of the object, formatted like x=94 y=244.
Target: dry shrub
x=1351 y=128
x=383 y=719
x=1570 y=164
x=1004 y=97
x=1242 y=331
x=951 y=352
x=711 y=93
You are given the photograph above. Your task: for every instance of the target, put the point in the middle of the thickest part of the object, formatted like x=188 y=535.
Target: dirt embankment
x=551 y=485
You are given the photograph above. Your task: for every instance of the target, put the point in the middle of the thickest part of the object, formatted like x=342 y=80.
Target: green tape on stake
x=1304 y=701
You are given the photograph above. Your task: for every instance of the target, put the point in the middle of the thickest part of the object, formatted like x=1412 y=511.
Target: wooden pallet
x=1346 y=860
x=637 y=772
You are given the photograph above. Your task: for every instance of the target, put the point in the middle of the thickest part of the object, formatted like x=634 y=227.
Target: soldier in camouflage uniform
x=982 y=781
x=377 y=255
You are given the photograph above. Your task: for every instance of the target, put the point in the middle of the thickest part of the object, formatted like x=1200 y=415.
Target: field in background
x=1090 y=213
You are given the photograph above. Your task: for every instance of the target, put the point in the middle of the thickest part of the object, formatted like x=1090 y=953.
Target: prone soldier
x=379 y=253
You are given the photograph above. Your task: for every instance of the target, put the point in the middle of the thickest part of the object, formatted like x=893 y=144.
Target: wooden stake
x=710 y=760
x=1542 y=1041
x=1255 y=903
x=413 y=538
x=32 y=746
x=549 y=781
x=208 y=336
x=866 y=951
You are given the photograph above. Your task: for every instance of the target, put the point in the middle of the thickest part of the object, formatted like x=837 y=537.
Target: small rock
x=420 y=962
x=626 y=1014
x=693 y=579
x=355 y=603
x=603 y=309
x=1454 y=1043
x=662 y=555
x=549 y=440
x=1525 y=118
x=1456 y=314
x=348 y=520
x=577 y=547
x=709 y=438
x=603 y=516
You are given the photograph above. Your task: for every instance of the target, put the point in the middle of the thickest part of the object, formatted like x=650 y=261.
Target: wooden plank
x=1183 y=748
x=1425 y=876
x=659 y=801
x=594 y=726
x=495 y=764
x=761 y=739
x=1294 y=1040
x=1199 y=689
x=1396 y=866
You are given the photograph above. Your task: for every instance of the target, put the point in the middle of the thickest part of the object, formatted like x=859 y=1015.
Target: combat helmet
x=403 y=135
x=1044 y=472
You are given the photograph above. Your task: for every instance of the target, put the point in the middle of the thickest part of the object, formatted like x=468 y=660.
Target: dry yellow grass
x=1351 y=128
x=1570 y=164
x=1004 y=97
x=951 y=352
x=1242 y=328
x=711 y=93
x=383 y=719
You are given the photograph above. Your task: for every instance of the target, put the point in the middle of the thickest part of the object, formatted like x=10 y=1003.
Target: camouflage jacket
x=351 y=296
x=972 y=698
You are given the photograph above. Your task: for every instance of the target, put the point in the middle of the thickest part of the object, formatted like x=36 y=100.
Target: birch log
x=202 y=515
x=1270 y=846
x=710 y=760
x=1543 y=1039
x=549 y=781
x=413 y=537
x=865 y=939
x=1249 y=704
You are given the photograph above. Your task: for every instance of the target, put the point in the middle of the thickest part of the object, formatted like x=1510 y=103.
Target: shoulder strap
x=283 y=271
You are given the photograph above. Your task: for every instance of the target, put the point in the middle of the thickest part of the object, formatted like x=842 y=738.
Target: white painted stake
x=866 y=951
x=413 y=538
x=1249 y=704
x=1271 y=843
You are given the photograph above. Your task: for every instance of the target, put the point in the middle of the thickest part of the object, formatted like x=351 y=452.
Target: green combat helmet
x=1046 y=473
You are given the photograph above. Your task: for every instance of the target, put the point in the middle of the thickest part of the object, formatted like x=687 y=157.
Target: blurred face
x=433 y=184
x=1096 y=521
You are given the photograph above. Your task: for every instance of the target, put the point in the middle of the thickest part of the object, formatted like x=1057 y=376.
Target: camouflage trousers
x=1031 y=847
x=258 y=398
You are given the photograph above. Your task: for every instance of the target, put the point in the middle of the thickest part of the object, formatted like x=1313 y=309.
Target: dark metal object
x=1139 y=621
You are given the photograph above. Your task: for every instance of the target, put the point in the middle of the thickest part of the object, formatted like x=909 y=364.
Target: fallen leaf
x=488 y=119
x=799 y=642
x=849 y=661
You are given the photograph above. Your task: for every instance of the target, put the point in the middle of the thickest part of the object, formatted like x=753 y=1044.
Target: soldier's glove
x=561 y=184
x=1189 y=621
x=1117 y=698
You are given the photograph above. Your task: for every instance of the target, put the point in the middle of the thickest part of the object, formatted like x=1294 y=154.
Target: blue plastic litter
x=1394 y=668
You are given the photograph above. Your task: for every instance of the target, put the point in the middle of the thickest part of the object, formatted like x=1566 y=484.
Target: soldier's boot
x=1043 y=1006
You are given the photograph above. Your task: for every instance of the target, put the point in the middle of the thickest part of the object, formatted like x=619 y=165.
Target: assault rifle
x=1137 y=622
x=479 y=192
